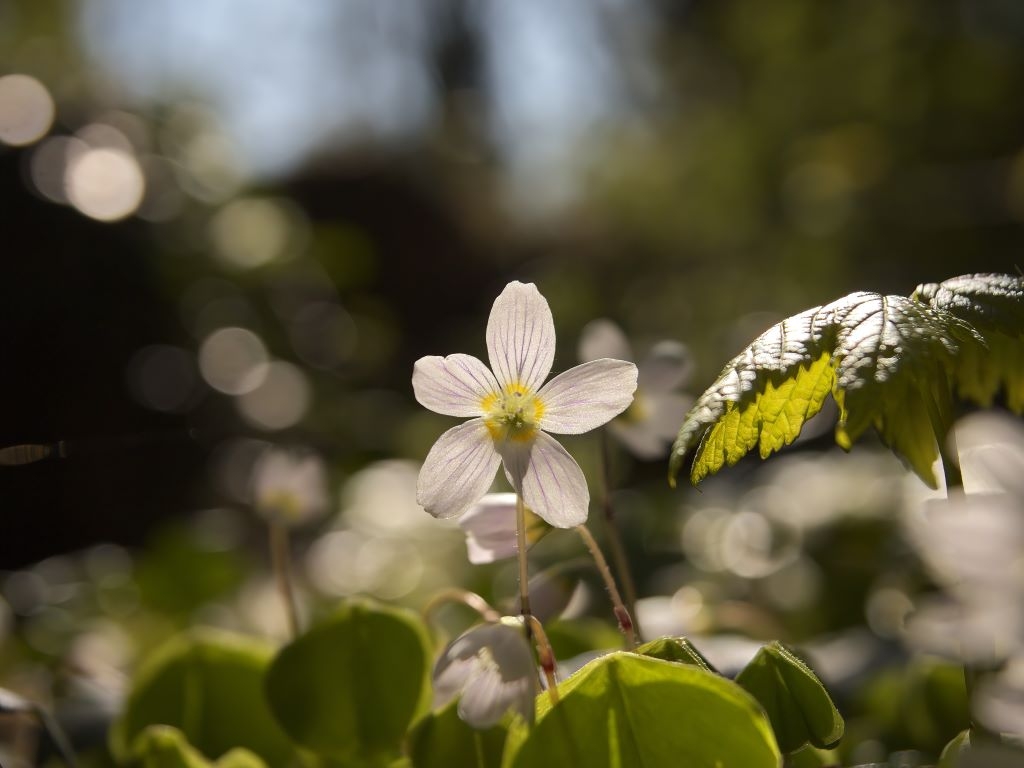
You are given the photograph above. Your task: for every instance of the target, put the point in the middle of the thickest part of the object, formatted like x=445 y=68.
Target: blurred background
x=234 y=224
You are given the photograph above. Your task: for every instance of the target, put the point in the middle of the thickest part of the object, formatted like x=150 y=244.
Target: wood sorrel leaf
x=889 y=362
x=799 y=707
x=677 y=649
x=624 y=709
x=441 y=740
x=349 y=687
x=209 y=685
x=162 y=746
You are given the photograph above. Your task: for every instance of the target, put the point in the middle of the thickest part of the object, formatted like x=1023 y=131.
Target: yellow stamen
x=513 y=414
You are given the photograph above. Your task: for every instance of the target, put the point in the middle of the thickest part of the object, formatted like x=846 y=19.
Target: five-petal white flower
x=513 y=411
x=650 y=424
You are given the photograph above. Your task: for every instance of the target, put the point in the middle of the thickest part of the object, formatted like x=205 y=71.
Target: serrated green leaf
x=625 y=710
x=799 y=707
x=887 y=361
x=677 y=649
x=994 y=306
x=350 y=686
x=209 y=685
x=441 y=740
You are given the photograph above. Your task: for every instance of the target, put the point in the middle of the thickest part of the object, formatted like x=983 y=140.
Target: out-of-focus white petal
x=289 y=487
x=651 y=423
x=549 y=479
x=521 y=336
x=603 y=338
x=458 y=470
x=665 y=367
x=667 y=412
x=453 y=385
x=490 y=528
x=493 y=668
x=587 y=396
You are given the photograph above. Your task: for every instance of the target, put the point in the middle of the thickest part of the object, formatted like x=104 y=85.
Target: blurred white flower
x=513 y=411
x=289 y=487
x=650 y=424
x=492 y=667
x=490 y=528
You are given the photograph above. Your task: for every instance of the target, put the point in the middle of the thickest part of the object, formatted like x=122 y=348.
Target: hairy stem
x=621 y=612
x=546 y=656
x=524 y=573
x=612 y=531
x=280 y=557
x=463 y=597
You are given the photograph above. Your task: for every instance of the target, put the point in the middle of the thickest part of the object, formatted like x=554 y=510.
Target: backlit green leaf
x=677 y=649
x=994 y=306
x=350 y=686
x=208 y=684
x=799 y=707
x=629 y=710
x=162 y=746
x=887 y=360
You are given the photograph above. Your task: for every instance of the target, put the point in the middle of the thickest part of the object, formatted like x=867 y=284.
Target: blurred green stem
x=621 y=611
x=546 y=655
x=612 y=532
x=280 y=557
x=524 y=573
x=463 y=597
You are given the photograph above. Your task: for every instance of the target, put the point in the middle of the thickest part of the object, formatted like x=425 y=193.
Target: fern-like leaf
x=887 y=360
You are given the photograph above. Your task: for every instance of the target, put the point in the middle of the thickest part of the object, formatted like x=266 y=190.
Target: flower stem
x=524 y=574
x=621 y=612
x=612 y=531
x=546 y=656
x=463 y=597
x=280 y=557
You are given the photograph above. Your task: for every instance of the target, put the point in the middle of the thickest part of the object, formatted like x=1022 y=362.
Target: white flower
x=513 y=411
x=289 y=487
x=490 y=528
x=650 y=424
x=492 y=667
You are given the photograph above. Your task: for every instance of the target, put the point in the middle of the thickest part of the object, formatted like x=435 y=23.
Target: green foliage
x=677 y=649
x=209 y=685
x=890 y=362
x=441 y=739
x=625 y=709
x=162 y=746
x=799 y=707
x=349 y=687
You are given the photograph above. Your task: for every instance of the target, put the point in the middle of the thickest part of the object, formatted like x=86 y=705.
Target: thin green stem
x=621 y=612
x=612 y=531
x=57 y=735
x=463 y=597
x=546 y=655
x=280 y=558
x=524 y=573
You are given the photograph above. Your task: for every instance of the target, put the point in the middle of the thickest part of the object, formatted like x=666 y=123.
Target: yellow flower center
x=513 y=414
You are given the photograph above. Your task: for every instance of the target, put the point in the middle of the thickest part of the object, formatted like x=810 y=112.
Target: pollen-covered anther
x=513 y=414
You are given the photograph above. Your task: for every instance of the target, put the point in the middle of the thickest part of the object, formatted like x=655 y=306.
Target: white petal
x=490 y=528
x=587 y=396
x=640 y=439
x=666 y=366
x=603 y=338
x=453 y=385
x=458 y=470
x=550 y=480
x=521 y=336
x=668 y=411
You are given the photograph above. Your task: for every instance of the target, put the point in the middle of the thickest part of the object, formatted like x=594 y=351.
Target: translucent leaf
x=208 y=684
x=441 y=740
x=350 y=686
x=886 y=360
x=799 y=707
x=626 y=710
x=994 y=306
x=162 y=746
x=677 y=649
